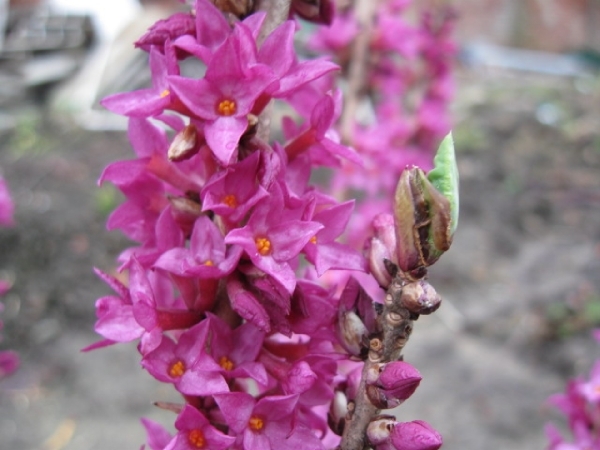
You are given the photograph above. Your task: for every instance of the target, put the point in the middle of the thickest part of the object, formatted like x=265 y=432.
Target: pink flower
x=6 y=205
x=323 y=251
x=9 y=363
x=266 y=423
x=185 y=363
x=147 y=102
x=273 y=237
x=206 y=257
x=234 y=191
x=226 y=94
x=236 y=350
x=195 y=432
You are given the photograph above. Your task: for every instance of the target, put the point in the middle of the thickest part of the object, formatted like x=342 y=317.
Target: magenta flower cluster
x=580 y=404
x=225 y=290
x=9 y=360
x=405 y=110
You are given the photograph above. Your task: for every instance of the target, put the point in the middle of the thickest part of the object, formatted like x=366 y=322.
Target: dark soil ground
x=521 y=283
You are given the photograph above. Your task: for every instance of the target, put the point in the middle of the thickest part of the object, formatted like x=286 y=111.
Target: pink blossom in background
x=7 y=207
x=9 y=360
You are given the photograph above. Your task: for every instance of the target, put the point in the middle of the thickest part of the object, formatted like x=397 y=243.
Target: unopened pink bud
x=382 y=247
x=377 y=253
x=389 y=385
x=385 y=230
x=416 y=435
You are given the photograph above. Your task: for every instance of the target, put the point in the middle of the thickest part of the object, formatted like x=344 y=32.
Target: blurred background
x=521 y=283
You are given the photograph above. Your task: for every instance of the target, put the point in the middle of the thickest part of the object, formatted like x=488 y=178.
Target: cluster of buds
x=225 y=290
x=403 y=246
x=580 y=404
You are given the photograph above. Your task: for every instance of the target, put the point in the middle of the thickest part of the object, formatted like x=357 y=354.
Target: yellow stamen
x=209 y=263
x=230 y=200
x=196 y=438
x=177 y=369
x=226 y=107
x=263 y=245
x=226 y=363
x=256 y=423
x=313 y=240
x=164 y=93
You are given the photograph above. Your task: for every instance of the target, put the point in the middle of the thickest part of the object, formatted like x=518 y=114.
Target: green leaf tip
x=444 y=176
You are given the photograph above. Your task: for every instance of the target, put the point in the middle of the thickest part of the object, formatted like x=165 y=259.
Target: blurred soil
x=521 y=282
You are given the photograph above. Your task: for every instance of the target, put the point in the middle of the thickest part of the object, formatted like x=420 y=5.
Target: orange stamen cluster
x=256 y=423
x=230 y=200
x=226 y=107
x=164 y=93
x=313 y=240
x=196 y=438
x=263 y=245
x=177 y=369
x=226 y=363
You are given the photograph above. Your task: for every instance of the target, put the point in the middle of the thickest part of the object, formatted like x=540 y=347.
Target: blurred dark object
x=42 y=30
x=39 y=47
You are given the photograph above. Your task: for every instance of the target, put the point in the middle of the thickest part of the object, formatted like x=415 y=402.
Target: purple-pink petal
x=158 y=437
x=211 y=26
x=247 y=305
x=236 y=408
x=223 y=135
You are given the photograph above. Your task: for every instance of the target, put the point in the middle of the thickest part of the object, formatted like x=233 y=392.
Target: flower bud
x=422 y=217
x=356 y=317
x=420 y=297
x=377 y=254
x=351 y=331
x=426 y=212
x=379 y=431
x=384 y=433
x=389 y=385
x=385 y=230
x=184 y=145
x=319 y=11
x=239 y=8
x=382 y=247
x=337 y=411
x=185 y=212
x=416 y=435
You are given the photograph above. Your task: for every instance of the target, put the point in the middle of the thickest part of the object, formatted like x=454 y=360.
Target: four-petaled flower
x=196 y=433
x=226 y=94
x=273 y=237
x=186 y=364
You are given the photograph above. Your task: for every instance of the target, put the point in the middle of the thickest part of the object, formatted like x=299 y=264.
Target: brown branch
x=365 y=14
x=396 y=323
x=277 y=11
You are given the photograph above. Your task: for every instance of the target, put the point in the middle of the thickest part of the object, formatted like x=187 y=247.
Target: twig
x=396 y=323
x=277 y=13
x=365 y=14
